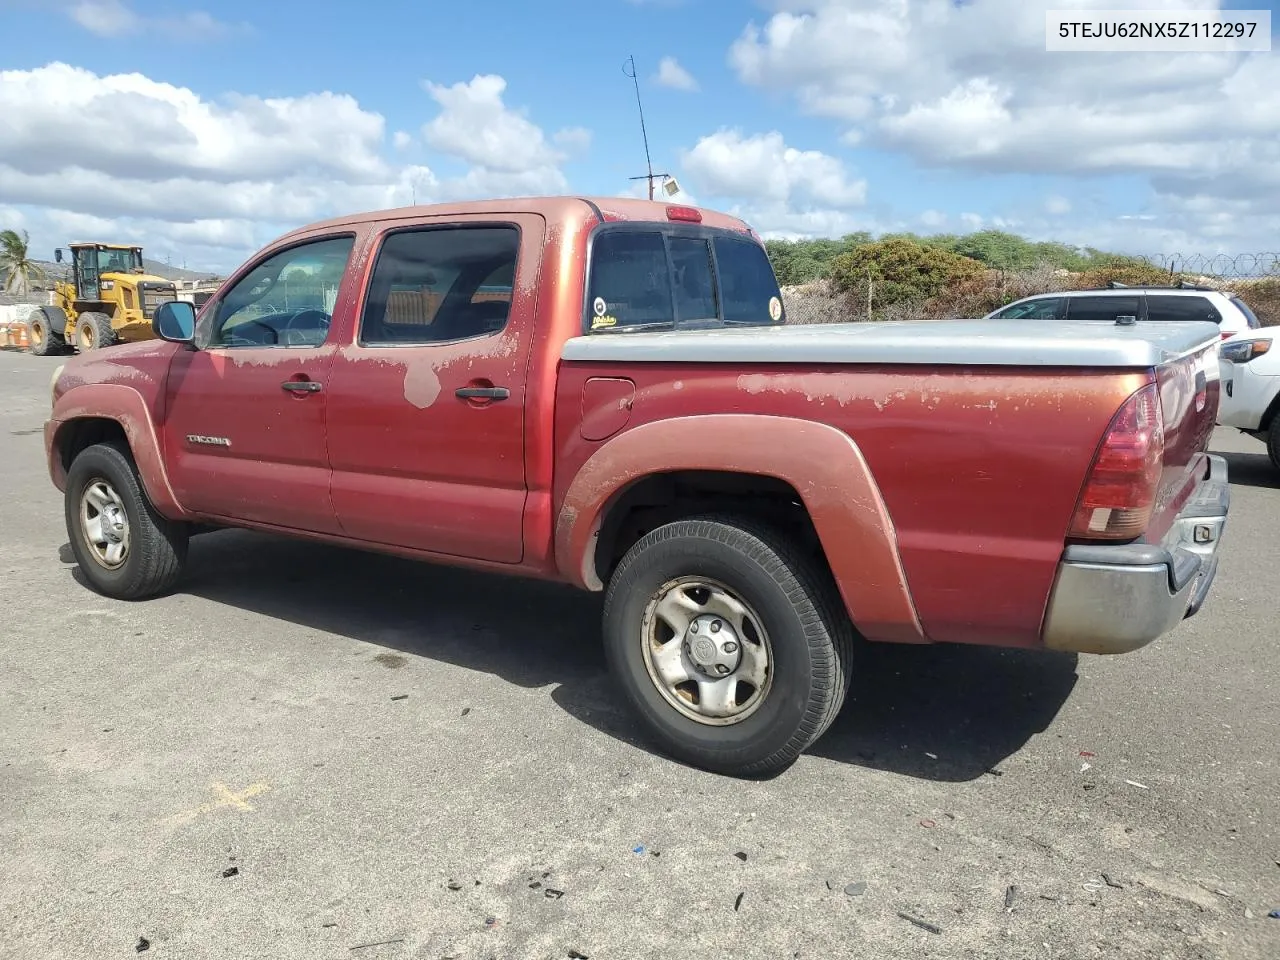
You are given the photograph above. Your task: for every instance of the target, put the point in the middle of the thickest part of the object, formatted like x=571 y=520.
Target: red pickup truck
x=605 y=392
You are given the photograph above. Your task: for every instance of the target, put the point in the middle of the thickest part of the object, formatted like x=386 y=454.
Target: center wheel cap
x=713 y=646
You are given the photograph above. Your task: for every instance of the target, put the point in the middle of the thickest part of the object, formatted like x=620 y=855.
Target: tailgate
x=1189 y=391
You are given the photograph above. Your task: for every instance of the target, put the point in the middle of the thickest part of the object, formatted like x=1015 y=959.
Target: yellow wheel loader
x=109 y=299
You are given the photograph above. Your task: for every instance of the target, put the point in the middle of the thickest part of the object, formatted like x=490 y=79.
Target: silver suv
x=1229 y=312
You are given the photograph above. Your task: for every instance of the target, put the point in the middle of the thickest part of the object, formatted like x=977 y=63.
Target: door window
x=286 y=300
x=440 y=284
x=1045 y=308
x=1103 y=308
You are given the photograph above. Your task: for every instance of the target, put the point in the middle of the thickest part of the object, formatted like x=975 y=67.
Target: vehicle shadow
x=971 y=707
x=1250 y=469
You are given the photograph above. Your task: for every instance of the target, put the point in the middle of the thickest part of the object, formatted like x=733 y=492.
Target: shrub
x=1133 y=273
x=1263 y=297
x=900 y=271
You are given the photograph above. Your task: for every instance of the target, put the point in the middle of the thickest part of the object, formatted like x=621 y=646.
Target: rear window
x=668 y=279
x=1162 y=307
x=1249 y=315
x=748 y=289
x=1102 y=308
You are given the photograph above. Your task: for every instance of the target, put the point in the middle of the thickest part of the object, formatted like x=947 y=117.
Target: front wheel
x=730 y=644
x=93 y=332
x=125 y=549
x=1272 y=439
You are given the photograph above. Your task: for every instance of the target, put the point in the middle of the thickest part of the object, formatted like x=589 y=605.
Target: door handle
x=301 y=386
x=483 y=393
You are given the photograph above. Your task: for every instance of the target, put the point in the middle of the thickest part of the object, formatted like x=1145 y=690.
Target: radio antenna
x=629 y=68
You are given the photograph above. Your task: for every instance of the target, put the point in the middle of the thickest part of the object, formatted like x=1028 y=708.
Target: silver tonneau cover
x=1022 y=343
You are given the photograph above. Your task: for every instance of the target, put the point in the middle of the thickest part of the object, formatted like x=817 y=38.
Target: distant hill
x=153 y=267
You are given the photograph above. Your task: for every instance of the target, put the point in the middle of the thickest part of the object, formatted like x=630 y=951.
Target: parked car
x=1151 y=304
x=605 y=393
x=1251 y=389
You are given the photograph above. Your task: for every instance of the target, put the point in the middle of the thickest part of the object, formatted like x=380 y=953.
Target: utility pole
x=629 y=68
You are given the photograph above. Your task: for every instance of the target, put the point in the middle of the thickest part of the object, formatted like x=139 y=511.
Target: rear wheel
x=125 y=549
x=93 y=331
x=729 y=644
x=46 y=332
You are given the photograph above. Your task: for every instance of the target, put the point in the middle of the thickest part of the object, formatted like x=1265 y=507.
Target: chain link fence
x=1254 y=277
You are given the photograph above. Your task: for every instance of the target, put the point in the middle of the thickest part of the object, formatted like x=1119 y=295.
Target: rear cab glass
x=647 y=277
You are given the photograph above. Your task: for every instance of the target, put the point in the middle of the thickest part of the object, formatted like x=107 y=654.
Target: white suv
x=1250 y=397
x=1152 y=304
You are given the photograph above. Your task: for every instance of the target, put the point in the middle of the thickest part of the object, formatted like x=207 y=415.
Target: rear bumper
x=1117 y=598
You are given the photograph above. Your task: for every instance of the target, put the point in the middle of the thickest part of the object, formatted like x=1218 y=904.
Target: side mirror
x=175 y=321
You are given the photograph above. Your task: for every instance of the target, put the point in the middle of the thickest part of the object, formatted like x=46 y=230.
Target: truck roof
x=560 y=208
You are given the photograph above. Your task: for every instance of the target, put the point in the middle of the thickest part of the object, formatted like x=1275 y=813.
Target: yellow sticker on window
x=605 y=321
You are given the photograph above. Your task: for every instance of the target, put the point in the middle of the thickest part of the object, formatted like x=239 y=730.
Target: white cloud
x=114 y=18
x=671 y=74
x=475 y=125
x=971 y=86
x=1057 y=205
x=763 y=168
x=215 y=178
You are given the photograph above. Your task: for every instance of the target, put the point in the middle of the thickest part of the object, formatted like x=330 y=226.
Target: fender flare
x=823 y=464
x=126 y=406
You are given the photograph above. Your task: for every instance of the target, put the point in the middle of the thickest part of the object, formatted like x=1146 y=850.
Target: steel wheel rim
x=706 y=651
x=104 y=524
x=37 y=333
x=86 y=337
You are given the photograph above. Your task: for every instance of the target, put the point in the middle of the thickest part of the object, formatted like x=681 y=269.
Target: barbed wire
x=1219 y=265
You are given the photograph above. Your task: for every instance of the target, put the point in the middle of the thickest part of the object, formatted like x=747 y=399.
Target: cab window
x=439 y=284
x=286 y=300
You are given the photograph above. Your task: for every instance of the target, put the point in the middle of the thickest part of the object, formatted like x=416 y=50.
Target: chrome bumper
x=1115 y=598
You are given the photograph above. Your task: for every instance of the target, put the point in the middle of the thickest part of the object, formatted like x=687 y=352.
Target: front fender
x=127 y=407
x=823 y=464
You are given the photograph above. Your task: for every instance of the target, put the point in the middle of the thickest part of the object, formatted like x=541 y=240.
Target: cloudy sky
x=204 y=132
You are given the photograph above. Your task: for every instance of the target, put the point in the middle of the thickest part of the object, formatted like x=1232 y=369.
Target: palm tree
x=17 y=269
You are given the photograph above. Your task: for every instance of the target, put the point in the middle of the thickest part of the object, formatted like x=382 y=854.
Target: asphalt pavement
x=313 y=752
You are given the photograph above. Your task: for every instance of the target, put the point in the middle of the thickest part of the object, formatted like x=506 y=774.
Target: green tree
x=17 y=268
x=901 y=271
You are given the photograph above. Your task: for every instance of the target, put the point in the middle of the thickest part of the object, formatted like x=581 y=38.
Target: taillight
x=1121 y=489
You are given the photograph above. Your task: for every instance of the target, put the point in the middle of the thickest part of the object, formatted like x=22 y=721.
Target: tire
x=792 y=613
x=1273 y=441
x=46 y=332
x=155 y=549
x=93 y=332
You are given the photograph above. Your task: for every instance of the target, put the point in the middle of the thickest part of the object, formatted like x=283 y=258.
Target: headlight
x=1243 y=351
x=53 y=383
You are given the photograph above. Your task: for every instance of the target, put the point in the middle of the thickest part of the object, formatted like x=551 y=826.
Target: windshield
x=118 y=261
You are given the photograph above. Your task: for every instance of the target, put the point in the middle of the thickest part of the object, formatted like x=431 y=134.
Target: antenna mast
x=629 y=68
